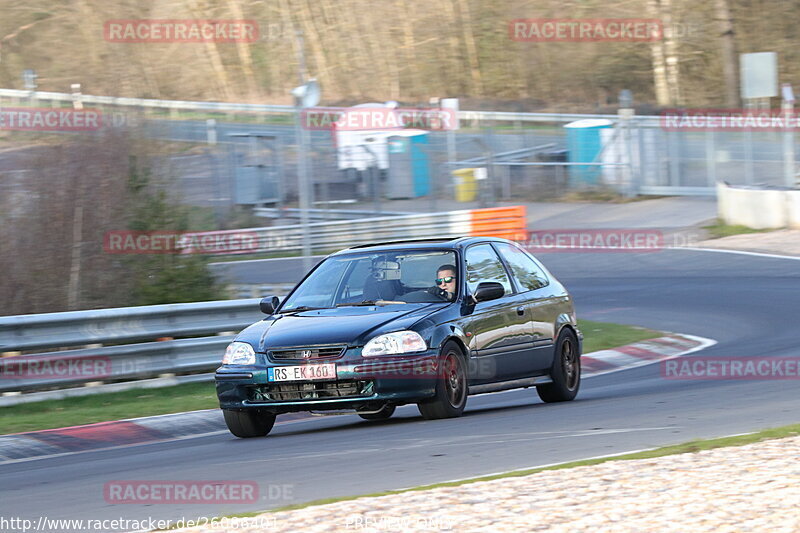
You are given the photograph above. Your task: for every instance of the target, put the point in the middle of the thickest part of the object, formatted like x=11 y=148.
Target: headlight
x=394 y=343
x=239 y=353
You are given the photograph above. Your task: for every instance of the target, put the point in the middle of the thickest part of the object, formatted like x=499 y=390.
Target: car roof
x=419 y=244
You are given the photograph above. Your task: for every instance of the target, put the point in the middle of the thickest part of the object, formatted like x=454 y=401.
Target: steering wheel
x=439 y=293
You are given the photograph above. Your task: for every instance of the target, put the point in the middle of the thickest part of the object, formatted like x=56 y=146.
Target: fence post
x=77 y=98
x=788 y=142
x=711 y=158
x=626 y=117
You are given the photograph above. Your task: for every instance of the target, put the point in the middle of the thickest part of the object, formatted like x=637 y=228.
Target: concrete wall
x=758 y=208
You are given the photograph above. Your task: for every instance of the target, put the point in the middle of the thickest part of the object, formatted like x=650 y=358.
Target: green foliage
x=169 y=277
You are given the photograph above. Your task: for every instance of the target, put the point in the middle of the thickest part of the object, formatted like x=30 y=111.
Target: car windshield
x=375 y=279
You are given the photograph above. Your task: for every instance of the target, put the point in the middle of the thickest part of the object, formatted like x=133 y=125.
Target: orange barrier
x=505 y=222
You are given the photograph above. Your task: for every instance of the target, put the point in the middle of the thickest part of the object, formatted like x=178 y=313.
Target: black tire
x=385 y=412
x=566 y=370
x=451 y=386
x=248 y=423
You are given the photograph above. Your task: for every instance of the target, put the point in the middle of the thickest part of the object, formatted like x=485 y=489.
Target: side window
x=484 y=265
x=526 y=272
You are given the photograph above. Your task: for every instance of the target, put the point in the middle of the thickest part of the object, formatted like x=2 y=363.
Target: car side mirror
x=488 y=290
x=269 y=304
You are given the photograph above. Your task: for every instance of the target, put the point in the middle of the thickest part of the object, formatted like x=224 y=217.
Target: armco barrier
x=758 y=208
x=203 y=322
x=126 y=324
x=507 y=222
x=229 y=107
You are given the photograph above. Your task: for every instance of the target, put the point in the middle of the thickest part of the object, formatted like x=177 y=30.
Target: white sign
x=759 y=75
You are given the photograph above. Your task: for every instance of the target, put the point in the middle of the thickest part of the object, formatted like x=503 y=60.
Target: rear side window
x=484 y=265
x=526 y=272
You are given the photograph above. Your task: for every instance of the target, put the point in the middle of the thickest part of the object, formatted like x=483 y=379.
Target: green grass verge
x=605 y=335
x=719 y=229
x=107 y=406
x=687 y=447
x=190 y=397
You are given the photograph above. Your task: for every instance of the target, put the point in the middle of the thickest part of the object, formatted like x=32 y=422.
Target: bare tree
x=728 y=45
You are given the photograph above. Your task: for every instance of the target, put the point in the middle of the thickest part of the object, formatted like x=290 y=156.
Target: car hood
x=344 y=325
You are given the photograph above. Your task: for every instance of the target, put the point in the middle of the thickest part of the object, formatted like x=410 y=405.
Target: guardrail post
x=77 y=102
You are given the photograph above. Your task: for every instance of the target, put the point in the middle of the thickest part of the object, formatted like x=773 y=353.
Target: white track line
x=740 y=252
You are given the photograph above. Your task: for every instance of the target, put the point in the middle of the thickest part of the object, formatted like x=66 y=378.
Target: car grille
x=311 y=391
x=307 y=352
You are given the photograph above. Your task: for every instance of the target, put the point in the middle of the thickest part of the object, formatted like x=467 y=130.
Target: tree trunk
x=243 y=49
x=472 y=49
x=728 y=43
x=664 y=73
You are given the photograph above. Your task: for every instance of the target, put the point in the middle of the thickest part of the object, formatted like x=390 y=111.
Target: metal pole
x=748 y=155
x=490 y=174
x=376 y=202
x=211 y=139
x=788 y=144
x=303 y=195
x=711 y=159
x=625 y=116
x=302 y=191
x=452 y=157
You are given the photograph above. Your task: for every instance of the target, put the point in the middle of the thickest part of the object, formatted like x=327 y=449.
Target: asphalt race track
x=749 y=304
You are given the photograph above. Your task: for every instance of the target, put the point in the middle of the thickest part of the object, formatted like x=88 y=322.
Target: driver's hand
x=441 y=293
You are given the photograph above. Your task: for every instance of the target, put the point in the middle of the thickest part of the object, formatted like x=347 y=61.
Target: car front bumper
x=359 y=383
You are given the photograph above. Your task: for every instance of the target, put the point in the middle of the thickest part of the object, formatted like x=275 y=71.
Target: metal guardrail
x=55 y=369
x=184 y=105
x=259 y=290
x=111 y=363
x=323 y=214
x=339 y=234
x=73 y=328
x=228 y=107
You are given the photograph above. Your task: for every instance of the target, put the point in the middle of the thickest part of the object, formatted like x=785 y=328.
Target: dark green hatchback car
x=426 y=322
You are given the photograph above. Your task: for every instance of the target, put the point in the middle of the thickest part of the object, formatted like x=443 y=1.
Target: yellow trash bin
x=466 y=186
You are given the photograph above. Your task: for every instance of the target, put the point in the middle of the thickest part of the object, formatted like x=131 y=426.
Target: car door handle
x=521 y=310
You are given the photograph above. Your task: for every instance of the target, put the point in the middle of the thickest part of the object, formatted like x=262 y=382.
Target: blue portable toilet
x=409 y=164
x=584 y=145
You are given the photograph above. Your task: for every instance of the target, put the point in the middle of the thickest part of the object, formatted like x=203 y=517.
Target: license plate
x=302 y=372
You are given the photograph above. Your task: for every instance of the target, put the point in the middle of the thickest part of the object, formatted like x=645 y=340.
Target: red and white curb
x=641 y=353
x=119 y=433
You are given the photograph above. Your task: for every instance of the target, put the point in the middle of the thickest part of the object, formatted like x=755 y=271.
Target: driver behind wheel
x=445 y=282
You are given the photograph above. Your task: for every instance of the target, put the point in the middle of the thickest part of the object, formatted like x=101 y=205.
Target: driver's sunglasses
x=448 y=279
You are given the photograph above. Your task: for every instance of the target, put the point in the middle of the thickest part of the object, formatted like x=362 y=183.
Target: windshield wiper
x=369 y=302
x=301 y=308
